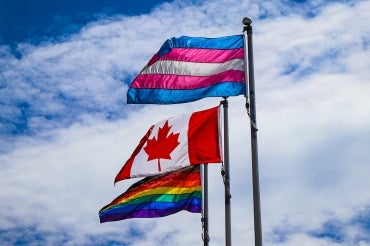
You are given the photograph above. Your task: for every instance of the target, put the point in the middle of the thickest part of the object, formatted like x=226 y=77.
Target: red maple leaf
x=162 y=147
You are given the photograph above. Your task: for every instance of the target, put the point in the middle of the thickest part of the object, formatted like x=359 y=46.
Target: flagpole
x=255 y=174
x=205 y=235
x=226 y=174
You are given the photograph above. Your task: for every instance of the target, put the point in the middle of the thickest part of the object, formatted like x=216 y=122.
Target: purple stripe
x=149 y=213
x=184 y=82
x=200 y=55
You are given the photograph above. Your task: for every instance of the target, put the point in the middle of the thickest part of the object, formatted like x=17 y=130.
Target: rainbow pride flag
x=157 y=196
x=187 y=69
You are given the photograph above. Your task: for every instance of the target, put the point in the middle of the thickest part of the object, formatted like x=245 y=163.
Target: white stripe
x=179 y=157
x=192 y=68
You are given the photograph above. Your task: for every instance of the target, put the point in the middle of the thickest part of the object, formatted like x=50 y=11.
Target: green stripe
x=160 y=198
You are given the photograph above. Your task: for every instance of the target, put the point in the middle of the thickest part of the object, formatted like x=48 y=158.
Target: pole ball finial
x=247 y=21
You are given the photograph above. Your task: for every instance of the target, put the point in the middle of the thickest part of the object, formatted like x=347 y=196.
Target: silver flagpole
x=255 y=174
x=226 y=174
x=205 y=235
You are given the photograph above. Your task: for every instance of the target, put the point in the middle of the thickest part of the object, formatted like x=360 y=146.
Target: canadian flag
x=177 y=142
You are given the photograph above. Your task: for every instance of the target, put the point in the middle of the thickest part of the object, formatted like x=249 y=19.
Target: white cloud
x=312 y=83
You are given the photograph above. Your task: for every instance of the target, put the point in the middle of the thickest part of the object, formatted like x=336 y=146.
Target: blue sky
x=65 y=129
x=25 y=21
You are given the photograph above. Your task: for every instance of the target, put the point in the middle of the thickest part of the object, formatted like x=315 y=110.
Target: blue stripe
x=229 y=42
x=193 y=201
x=165 y=96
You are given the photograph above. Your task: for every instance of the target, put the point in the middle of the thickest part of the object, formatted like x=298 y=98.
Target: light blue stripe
x=222 y=43
x=164 y=96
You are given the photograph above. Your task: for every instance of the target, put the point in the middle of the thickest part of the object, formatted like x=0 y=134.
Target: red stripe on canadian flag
x=177 y=142
x=203 y=143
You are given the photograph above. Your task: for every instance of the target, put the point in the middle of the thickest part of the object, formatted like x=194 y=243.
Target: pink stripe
x=200 y=55
x=185 y=82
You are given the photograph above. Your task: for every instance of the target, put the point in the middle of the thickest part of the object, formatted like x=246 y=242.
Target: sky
x=65 y=129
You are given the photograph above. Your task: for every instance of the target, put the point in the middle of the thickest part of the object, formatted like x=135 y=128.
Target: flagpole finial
x=247 y=21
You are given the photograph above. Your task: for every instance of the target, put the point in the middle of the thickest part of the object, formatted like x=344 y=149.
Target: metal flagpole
x=205 y=235
x=226 y=174
x=255 y=175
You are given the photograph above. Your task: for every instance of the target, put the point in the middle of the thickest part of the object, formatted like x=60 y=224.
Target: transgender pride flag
x=187 y=69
